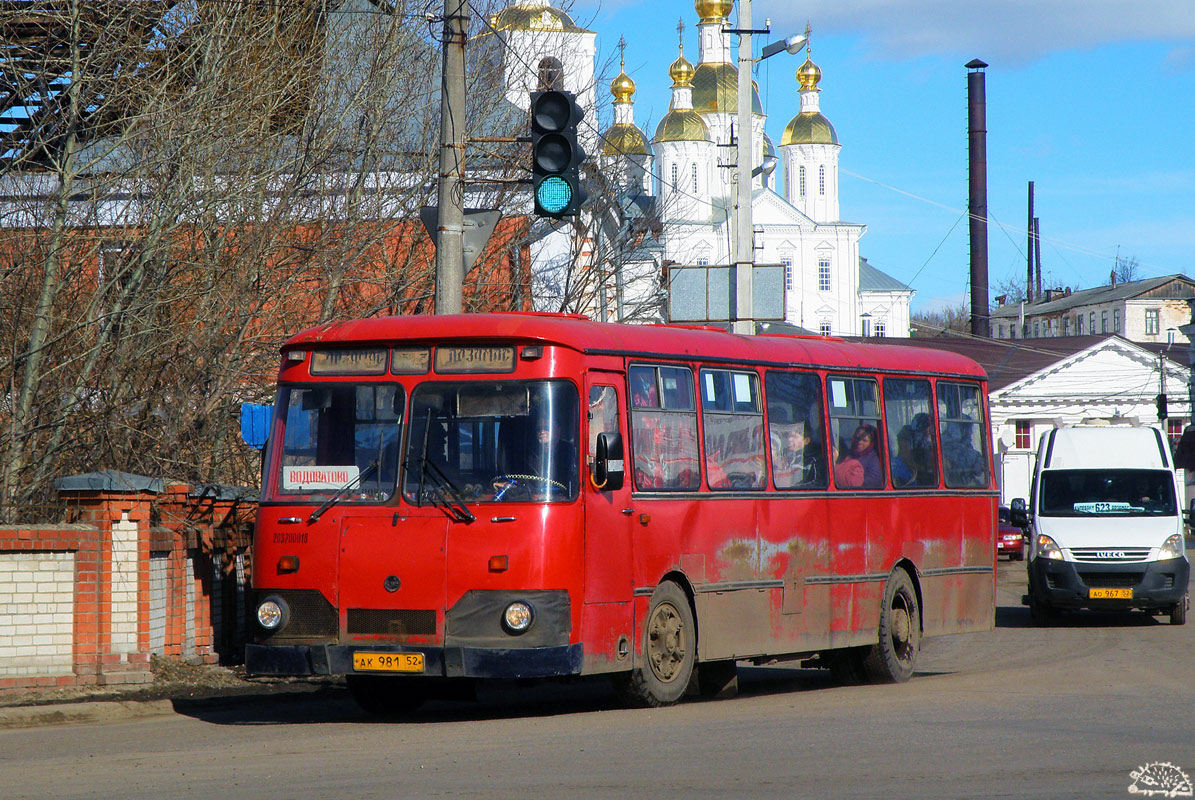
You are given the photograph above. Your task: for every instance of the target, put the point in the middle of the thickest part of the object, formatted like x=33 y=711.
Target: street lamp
x=743 y=229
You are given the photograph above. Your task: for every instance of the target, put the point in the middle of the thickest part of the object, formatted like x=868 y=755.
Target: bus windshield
x=334 y=434
x=507 y=441
x=1116 y=492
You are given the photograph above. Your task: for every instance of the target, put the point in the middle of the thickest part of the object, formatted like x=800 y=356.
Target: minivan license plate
x=1110 y=594
x=388 y=662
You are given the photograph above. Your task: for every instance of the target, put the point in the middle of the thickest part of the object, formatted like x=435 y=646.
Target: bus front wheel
x=893 y=657
x=669 y=652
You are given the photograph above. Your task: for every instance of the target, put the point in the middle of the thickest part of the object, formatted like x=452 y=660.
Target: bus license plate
x=1110 y=594
x=388 y=662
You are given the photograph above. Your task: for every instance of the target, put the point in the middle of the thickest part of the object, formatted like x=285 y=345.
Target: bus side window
x=855 y=433
x=796 y=431
x=733 y=419
x=663 y=435
x=964 y=452
x=912 y=445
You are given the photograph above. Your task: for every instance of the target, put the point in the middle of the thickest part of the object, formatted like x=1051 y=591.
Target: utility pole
x=450 y=228
x=743 y=229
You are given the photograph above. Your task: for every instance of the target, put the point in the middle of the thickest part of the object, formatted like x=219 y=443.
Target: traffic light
x=555 y=155
x=1161 y=401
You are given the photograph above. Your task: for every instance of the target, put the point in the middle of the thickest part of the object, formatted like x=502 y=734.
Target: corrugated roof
x=1086 y=297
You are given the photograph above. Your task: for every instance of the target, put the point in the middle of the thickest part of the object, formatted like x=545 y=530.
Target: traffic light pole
x=450 y=228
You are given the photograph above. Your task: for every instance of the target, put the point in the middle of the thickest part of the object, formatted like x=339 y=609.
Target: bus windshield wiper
x=342 y=491
x=443 y=492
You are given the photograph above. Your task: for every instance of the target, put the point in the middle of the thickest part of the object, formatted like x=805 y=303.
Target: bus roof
x=652 y=341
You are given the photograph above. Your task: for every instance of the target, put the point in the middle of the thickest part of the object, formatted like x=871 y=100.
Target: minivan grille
x=1109 y=555
x=1110 y=580
x=391 y=622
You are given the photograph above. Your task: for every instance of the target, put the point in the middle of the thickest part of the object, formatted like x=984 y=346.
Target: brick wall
x=75 y=597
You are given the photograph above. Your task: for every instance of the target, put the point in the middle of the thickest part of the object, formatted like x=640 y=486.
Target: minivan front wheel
x=1178 y=612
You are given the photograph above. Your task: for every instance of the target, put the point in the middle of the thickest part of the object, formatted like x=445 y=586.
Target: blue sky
x=1093 y=100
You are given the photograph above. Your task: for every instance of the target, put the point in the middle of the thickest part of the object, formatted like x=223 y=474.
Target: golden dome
x=809 y=127
x=681 y=71
x=808 y=75
x=533 y=16
x=716 y=89
x=625 y=139
x=682 y=125
x=713 y=10
x=622 y=87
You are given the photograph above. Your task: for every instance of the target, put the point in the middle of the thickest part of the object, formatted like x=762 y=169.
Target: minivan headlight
x=1171 y=548
x=1048 y=548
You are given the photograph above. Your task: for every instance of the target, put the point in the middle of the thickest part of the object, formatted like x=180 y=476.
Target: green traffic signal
x=555 y=154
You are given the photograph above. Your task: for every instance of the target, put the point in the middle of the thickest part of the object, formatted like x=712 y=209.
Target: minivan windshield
x=1107 y=492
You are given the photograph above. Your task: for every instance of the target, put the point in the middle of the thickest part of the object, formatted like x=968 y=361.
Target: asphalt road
x=1019 y=712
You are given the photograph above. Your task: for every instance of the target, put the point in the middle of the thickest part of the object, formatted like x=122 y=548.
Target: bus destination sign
x=371 y=361
x=475 y=359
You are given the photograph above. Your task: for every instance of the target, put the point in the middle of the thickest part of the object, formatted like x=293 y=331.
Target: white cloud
x=1004 y=31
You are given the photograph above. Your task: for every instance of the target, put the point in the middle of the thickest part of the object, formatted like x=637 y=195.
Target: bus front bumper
x=451 y=662
x=1149 y=585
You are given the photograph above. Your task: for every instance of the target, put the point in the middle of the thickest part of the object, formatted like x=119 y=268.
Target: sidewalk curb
x=97 y=711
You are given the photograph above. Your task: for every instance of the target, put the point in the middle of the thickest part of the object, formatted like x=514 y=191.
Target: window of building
x=787 y=263
x=1079 y=324
x=821 y=180
x=663 y=428
x=1036 y=330
x=823 y=274
x=732 y=416
x=801 y=182
x=1066 y=326
x=1152 y=321
x=881 y=329
x=1174 y=431
x=1024 y=434
x=1103 y=322
x=1091 y=319
x=1116 y=320
x=702 y=261
x=694 y=171
x=865 y=325
x=675 y=177
x=824 y=327
x=1012 y=331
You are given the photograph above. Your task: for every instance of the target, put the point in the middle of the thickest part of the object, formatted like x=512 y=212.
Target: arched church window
x=551 y=74
x=675 y=178
x=694 y=170
x=821 y=180
x=802 y=181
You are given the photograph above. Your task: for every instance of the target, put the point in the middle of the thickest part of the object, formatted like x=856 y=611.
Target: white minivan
x=1105 y=524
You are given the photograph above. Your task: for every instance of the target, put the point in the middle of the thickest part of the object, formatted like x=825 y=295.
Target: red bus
x=533 y=495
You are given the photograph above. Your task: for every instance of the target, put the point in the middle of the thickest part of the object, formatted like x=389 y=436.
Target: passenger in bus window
x=551 y=457
x=848 y=472
x=643 y=388
x=863 y=449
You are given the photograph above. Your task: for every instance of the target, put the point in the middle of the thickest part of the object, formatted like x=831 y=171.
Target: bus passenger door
x=607 y=619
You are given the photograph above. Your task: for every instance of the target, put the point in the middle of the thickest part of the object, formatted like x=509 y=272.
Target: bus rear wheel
x=386 y=697
x=669 y=652
x=893 y=658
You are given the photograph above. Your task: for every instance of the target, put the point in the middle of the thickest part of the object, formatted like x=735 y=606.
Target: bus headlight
x=1171 y=548
x=272 y=613
x=1048 y=548
x=517 y=617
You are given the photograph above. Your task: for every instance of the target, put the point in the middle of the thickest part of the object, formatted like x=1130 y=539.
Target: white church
x=674 y=189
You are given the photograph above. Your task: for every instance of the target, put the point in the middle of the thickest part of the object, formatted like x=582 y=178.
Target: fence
x=138 y=568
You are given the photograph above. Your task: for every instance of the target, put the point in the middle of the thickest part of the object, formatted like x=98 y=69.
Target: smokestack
x=1029 y=250
x=977 y=159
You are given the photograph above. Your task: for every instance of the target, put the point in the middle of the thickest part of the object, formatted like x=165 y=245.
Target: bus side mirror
x=1017 y=514
x=607 y=462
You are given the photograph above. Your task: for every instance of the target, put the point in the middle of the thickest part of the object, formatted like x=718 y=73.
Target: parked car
x=1010 y=540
